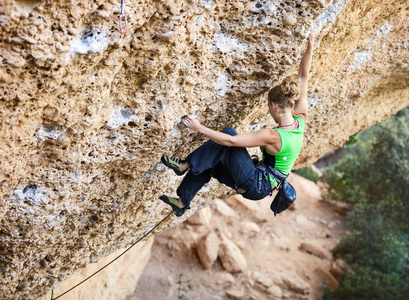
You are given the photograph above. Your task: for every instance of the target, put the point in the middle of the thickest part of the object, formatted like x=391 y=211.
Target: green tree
x=374 y=175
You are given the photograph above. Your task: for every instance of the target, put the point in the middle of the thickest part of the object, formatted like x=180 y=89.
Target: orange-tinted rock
x=316 y=250
x=336 y=271
x=231 y=257
x=328 y=279
x=208 y=250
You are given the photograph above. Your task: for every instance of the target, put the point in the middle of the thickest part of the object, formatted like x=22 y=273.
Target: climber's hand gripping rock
x=191 y=123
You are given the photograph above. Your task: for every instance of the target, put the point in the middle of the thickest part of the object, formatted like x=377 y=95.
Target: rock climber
x=225 y=156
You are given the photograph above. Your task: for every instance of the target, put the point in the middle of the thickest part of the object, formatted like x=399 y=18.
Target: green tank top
x=291 y=143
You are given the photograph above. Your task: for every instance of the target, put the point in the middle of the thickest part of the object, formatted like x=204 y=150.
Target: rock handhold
x=208 y=250
x=289 y=20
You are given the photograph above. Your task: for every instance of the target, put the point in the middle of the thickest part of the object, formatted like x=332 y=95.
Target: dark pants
x=231 y=166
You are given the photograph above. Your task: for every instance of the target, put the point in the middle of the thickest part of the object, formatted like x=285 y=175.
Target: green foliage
x=369 y=283
x=183 y=287
x=374 y=175
x=352 y=139
x=308 y=173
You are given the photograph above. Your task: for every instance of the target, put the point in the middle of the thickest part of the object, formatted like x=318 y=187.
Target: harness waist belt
x=279 y=176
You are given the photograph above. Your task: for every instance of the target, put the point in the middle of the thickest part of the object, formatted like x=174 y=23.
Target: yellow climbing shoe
x=173 y=163
x=174 y=203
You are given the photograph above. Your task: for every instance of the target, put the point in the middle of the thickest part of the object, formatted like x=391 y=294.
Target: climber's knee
x=229 y=131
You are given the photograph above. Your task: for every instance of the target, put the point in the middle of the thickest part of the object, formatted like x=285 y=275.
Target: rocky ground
x=237 y=249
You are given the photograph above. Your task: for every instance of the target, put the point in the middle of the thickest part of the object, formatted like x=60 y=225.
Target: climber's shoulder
x=302 y=115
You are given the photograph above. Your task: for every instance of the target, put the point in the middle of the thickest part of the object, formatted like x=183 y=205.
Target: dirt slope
x=271 y=247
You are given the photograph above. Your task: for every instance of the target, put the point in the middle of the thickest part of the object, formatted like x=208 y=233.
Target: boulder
x=275 y=291
x=262 y=279
x=180 y=241
x=339 y=267
x=336 y=271
x=250 y=227
x=202 y=217
x=231 y=257
x=326 y=233
x=236 y=294
x=342 y=208
x=221 y=207
x=208 y=249
x=225 y=278
x=296 y=284
x=315 y=250
x=342 y=264
x=328 y=279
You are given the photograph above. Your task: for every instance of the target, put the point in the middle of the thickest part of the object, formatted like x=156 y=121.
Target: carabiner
x=122 y=15
x=122 y=29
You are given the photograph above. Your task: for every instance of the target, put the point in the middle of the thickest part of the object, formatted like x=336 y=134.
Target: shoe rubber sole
x=176 y=209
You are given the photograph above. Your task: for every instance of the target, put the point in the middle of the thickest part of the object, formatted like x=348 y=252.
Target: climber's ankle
x=181 y=205
x=184 y=166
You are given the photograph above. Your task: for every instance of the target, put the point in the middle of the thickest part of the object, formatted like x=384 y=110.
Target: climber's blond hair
x=285 y=94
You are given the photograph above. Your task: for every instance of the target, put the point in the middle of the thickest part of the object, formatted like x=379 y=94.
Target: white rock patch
x=361 y=58
x=90 y=42
x=121 y=116
x=227 y=44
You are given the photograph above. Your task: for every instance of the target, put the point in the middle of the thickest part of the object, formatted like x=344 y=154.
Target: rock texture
x=116 y=281
x=231 y=257
x=208 y=250
x=86 y=112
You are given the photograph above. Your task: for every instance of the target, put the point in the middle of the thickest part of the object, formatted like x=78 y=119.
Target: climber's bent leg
x=236 y=169
x=208 y=155
x=190 y=185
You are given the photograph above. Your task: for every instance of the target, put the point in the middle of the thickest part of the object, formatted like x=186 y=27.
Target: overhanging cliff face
x=86 y=112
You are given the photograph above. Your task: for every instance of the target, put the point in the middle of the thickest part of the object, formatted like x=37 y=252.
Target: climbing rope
x=122 y=16
x=146 y=234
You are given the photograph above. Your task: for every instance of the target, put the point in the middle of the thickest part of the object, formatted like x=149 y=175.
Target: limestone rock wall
x=117 y=281
x=86 y=112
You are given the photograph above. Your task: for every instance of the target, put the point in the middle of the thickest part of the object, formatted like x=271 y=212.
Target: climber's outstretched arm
x=301 y=105
x=262 y=137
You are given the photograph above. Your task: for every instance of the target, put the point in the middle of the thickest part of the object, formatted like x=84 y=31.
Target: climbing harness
x=122 y=17
x=129 y=248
